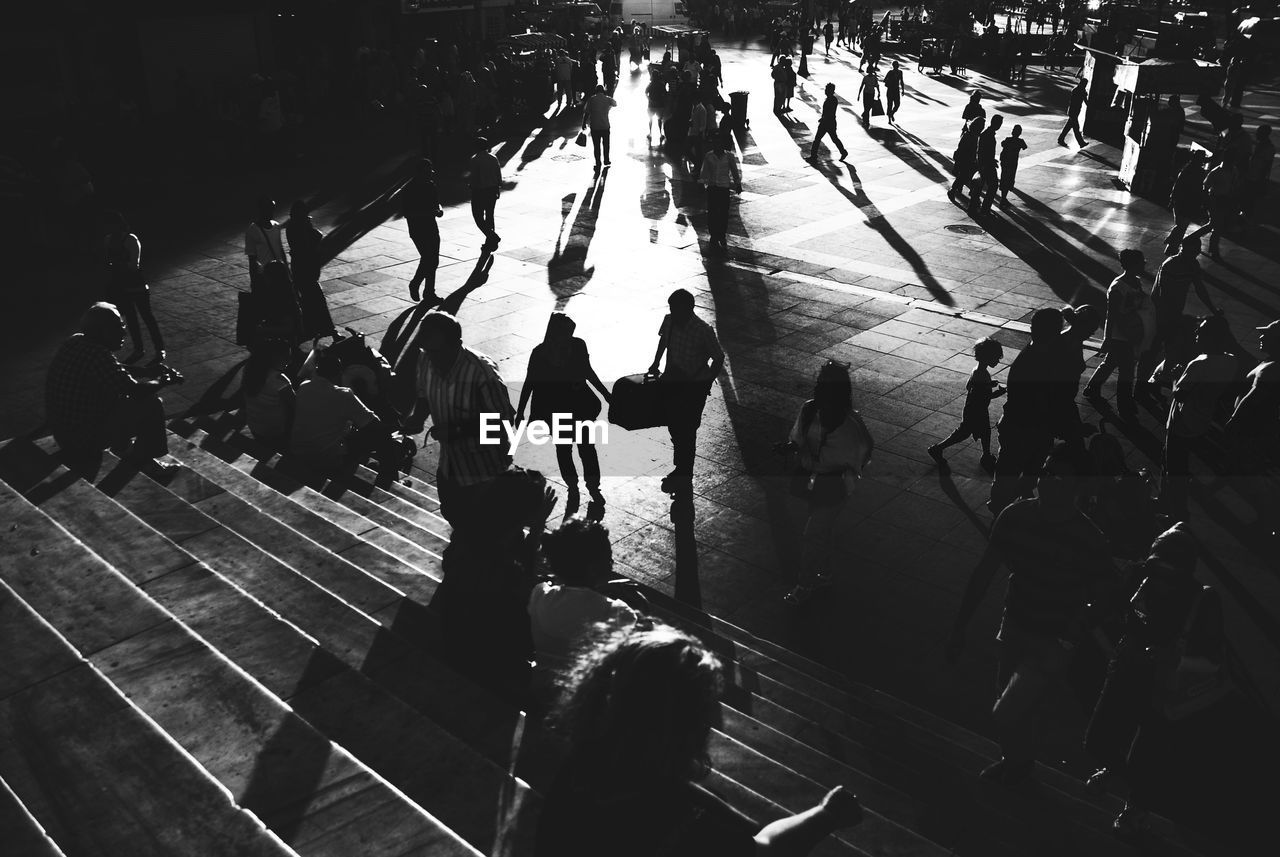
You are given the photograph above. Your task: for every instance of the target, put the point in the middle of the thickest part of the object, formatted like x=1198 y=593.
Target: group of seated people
x=316 y=415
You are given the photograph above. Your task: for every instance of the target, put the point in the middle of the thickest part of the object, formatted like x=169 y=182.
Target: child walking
x=1009 y=151
x=975 y=422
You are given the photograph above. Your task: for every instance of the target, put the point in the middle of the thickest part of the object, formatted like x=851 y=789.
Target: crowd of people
x=639 y=699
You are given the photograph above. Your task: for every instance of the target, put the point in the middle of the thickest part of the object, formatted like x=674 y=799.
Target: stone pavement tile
x=873 y=340
x=923 y=351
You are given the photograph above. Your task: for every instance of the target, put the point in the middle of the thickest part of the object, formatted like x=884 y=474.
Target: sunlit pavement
x=865 y=262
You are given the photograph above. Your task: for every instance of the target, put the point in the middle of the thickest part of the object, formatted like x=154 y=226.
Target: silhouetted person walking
x=1078 y=96
x=127 y=287
x=869 y=90
x=975 y=421
x=1060 y=571
x=305 y=263
x=1010 y=149
x=596 y=115
x=719 y=174
x=694 y=360
x=557 y=380
x=1123 y=332
x=420 y=205
x=486 y=185
x=1178 y=276
x=965 y=157
x=893 y=89
x=988 y=168
x=827 y=124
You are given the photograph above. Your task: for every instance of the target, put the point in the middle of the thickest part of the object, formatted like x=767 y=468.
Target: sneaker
x=798 y=596
x=594 y=493
x=935 y=452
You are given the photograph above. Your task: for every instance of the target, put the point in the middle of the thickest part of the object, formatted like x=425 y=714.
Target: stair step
x=354 y=638
x=876 y=834
x=983 y=819
x=314 y=795
x=19 y=830
x=763 y=811
x=432 y=767
x=87 y=767
x=322 y=518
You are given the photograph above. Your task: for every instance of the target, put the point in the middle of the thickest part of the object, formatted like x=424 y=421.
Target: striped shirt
x=83 y=388
x=1055 y=567
x=456 y=399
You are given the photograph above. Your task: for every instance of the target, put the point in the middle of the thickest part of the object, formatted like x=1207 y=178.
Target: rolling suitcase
x=637 y=403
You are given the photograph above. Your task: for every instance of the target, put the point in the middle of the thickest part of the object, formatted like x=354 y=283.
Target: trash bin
x=738 y=100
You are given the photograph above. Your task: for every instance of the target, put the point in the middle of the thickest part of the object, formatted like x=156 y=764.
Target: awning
x=673 y=31
x=1172 y=77
x=535 y=41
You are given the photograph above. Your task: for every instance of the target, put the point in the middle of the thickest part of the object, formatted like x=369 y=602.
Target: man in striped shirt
x=1059 y=568
x=456 y=388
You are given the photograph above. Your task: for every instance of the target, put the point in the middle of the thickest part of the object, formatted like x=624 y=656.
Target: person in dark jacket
x=306 y=261
x=420 y=205
x=827 y=124
x=1144 y=725
x=988 y=168
x=965 y=156
x=1078 y=96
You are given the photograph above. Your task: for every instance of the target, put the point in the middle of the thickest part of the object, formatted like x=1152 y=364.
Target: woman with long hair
x=305 y=262
x=559 y=380
x=834 y=446
x=638 y=708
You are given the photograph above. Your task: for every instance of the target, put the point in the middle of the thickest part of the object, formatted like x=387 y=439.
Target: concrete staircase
x=240 y=659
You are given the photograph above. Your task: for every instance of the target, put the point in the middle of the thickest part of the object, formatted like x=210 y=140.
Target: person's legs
x=143 y=304
x=1125 y=361
x=590 y=465
x=491 y=202
x=1110 y=360
x=477 y=210
x=595 y=145
x=816 y=544
x=427 y=243
x=844 y=153
x=139 y=417
x=817 y=138
x=718 y=213
x=568 y=472
x=895 y=101
x=128 y=311
x=990 y=182
x=964 y=174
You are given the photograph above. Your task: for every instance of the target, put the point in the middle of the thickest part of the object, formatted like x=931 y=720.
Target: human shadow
x=878 y=222
x=404 y=328
x=1260 y=306
x=215 y=398
x=567 y=270
x=688 y=589
x=373 y=206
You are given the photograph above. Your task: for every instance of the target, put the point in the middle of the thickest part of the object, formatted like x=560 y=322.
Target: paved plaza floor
x=865 y=262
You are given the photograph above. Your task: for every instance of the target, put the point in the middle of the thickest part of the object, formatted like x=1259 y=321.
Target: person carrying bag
x=833 y=446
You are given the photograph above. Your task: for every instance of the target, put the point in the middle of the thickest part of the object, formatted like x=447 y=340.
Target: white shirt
x=720 y=170
x=559 y=616
x=264 y=245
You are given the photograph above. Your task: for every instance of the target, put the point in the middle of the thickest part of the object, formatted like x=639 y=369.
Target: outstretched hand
x=842 y=807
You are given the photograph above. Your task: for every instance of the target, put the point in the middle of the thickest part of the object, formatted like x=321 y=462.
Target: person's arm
x=526 y=390
x=717 y=357
x=735 y=171
x=1197 y=283
x=979 y=582
x=594 y=380
x=799 y=834
x=662 y=346
x=416 y=421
